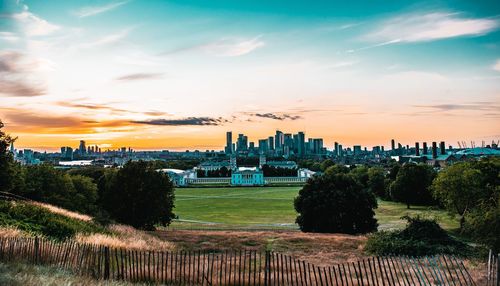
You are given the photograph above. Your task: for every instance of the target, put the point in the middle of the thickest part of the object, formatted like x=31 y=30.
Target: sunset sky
x=179 y=74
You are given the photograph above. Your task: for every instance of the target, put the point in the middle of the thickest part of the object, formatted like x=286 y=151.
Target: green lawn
x=269 y=207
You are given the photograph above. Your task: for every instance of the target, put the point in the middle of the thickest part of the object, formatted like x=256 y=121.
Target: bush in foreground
x=420 y=237
x=335 y=203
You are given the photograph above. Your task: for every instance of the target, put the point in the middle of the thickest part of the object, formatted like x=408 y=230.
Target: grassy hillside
x=39 y=220
x=269 y=207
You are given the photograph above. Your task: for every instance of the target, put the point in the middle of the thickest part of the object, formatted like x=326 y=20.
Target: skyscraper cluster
x=281 y=144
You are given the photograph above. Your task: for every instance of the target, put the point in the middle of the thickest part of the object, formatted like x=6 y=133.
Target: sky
x=179 y=74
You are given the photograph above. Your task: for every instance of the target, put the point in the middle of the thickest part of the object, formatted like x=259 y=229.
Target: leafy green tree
x=93 y=172
x=326 y=164
x=46 y=184
x=412 y=185
x=85 y=194
x=483 y=225
x=376 y=181
x=11 y=173
x=335 y=203
x=360 y=173
x=138 y=195
x=458 y=188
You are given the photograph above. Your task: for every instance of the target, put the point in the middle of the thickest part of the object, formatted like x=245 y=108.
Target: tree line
x=135 y=194
x=342 y=199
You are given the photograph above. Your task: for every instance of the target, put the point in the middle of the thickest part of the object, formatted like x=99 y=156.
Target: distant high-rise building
x=317 y=146
x=82 y=149
x=357 y=150
x=301 y=144
x=288 y=141
x=434 y=150
x=417 y=149
x=442 y=148
x=229 y=143
x=270 y=142
x=336 y=149
x=242 y=143
x=262 y=160
x=263 y=146
x=279 y=140
x=340 y=150
x=424 y=148
x=393 y=145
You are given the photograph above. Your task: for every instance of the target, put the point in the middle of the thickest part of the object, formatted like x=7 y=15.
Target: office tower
x=279 y=140
x=336 y=149
x=242 y=143
x=340 y=150
x=229 y=143
x=417 y=149
x=262 y=160
x=357 y=150
x=434 y=150
x=295 y=143
x=82 y=149
x=393 y=145
x=288 y=141
x=270 y=142
x=382 y=148
x=263 y=146
x=301 y=144
x=317 y=146
x=424 y=147
x=442 y=148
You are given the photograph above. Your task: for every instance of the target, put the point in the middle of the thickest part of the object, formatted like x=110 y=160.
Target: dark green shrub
x=420 y=237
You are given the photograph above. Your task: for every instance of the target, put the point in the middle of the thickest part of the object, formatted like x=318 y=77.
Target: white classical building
x=247 y=176
x=179 y=177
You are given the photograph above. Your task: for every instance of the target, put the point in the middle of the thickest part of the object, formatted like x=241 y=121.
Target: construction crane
x=459 y=145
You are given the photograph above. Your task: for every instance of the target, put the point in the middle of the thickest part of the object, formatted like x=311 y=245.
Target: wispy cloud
x=226 y=47
x=15 y=76
x=232 y=48
x=496 y=66
x=42 y=122
x=420 y=27
x=277 y=116
x=105 y=107
x=200 y=121
x=109 y=39
x=32 y=25
x=139 y=76
x=474 y=106
x=95 y=10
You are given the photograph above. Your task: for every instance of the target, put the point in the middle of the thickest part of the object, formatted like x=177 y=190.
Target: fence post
x=267 y=268
x=36 y=249
x=498 y=269
x=106 y=262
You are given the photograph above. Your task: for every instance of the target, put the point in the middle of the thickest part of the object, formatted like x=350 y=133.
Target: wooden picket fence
x=493 y=273
x=231 y=267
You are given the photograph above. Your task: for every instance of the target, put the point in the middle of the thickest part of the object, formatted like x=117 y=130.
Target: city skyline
x=176 y=75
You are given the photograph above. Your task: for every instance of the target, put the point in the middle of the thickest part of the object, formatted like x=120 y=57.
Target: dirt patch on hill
x=320 y=249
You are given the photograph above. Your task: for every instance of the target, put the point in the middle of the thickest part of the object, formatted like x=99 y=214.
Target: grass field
x=269 y=208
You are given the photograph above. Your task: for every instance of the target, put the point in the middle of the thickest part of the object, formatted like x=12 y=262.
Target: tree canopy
x=412 y=185
x=335 y=203
x=138 y=195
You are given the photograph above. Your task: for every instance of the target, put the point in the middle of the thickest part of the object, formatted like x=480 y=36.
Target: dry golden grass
x=7 y=231
x=34 y=275
x=126 y=237
x=63 y=212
